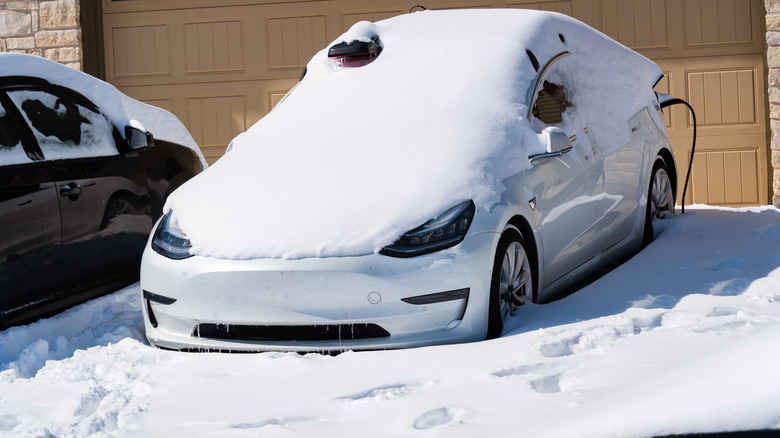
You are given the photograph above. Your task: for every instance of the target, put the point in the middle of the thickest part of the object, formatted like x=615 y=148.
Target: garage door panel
x=726 y=97
x=139 y=51
x=725 y=178
x=214 y=46
x=165 y=103
x=293 y=40
x=727 y=170
x=718 y=22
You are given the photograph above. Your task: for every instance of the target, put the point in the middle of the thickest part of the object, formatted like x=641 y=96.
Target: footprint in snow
x=385 y=392
x=730 y=288
x=770 y=230
x=438 y=417
x=538 y=368
x=547 y=384
x=722 y=264
x=560 y=348
x=278 y=421
x=723 y=311
x=9 y=422
x=655 y=302
x=90 y=402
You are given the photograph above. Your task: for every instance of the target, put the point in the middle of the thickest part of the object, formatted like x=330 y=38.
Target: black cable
x=677 y=101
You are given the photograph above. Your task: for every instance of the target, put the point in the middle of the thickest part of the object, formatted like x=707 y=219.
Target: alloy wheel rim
x=661 y=194
x=514 y=277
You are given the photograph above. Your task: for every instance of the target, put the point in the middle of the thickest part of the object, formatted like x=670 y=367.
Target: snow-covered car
x=84 y=174
x=428 y=174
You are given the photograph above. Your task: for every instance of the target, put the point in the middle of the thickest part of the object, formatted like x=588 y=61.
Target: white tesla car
x=429 y=173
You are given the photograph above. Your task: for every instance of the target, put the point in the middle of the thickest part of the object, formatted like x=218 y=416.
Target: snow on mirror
x=63 y=128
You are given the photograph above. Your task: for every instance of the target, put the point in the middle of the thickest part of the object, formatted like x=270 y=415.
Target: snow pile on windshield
x=355 y=157
x=120 y=108
x=83 y=128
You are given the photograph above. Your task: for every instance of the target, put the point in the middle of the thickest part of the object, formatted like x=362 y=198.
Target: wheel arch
x=671 y=166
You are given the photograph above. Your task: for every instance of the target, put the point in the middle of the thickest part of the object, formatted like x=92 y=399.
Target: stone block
x=59 y=14
x=774 y=111
x=63 y=54
x=773 y=38
x=776 y=185
x=776 y=159
x=20 y=43
x=23 y=6
x=14 y=23
x=774 y=95
x=35 y=25
x=774 y=77
x=58 y=38
x=772 y=21
x=773 y=56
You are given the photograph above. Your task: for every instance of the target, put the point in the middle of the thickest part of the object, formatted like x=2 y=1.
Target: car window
x=63 y=128
x=11 y=150
x=553 y=95
x=550 y=104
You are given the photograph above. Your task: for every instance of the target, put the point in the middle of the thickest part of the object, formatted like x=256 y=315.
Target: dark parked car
x=84 y=174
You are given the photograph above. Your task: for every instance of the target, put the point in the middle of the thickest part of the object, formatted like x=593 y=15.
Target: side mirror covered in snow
x=138 y=139
x=556 y=143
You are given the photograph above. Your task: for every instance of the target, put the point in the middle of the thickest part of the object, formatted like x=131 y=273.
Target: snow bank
x=646 y=350
x=354 y=157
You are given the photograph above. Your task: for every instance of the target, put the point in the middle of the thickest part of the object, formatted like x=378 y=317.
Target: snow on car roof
x=120 y=108
x=354 y=157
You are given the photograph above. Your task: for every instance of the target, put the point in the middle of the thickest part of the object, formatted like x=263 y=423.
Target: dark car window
x=11 y=150
x=63 y=128
x=550 y=103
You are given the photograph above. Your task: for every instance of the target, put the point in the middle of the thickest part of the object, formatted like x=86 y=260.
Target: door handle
x=70 y=190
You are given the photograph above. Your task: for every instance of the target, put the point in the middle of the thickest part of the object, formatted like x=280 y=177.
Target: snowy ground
x=681 y=338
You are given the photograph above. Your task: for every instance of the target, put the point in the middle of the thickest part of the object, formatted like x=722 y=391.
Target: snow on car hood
x=355 y=157
x=120 y=108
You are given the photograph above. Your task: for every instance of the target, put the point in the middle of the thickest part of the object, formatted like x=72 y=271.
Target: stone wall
x=45 y=28
x=773 y=62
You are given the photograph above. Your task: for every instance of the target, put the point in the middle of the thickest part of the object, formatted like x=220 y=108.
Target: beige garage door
x=221 y=65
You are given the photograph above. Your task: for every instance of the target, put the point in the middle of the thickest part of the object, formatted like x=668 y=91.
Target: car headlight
x=170 y=241
x=439 y=233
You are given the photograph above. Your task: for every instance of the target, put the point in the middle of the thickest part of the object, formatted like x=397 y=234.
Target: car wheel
x=512 y=280
x=117 y=206
x=660 y=199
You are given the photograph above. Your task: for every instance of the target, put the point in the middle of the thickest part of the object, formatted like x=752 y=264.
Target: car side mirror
x=138 y=139
x=556 y=142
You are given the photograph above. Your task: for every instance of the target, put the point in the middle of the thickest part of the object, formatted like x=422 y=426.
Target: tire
x=117 y=206
x=512 y=279
x=660 y=199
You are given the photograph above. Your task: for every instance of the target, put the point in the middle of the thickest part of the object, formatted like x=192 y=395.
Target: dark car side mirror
x=138 y=139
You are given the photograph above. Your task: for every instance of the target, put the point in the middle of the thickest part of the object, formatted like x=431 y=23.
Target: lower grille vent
x=333 y=332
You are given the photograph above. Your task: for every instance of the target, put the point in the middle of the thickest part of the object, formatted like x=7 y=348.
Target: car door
x=567 y=179
x=100 y=185
x=30 y=241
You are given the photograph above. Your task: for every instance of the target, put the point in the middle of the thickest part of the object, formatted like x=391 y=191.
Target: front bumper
x=268 y=302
